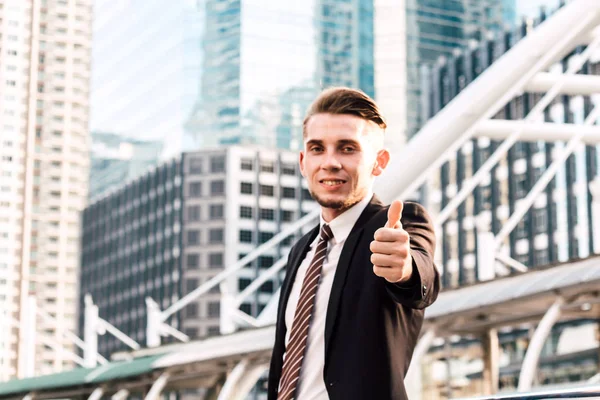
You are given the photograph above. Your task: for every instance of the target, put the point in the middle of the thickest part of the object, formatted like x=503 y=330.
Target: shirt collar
x=342 y=225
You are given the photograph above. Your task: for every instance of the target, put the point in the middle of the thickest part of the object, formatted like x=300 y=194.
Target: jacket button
x=331 y=384
x=424 y=290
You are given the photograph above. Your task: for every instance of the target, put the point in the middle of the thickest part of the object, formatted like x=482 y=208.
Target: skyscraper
x=44 y=86
x=116 y=159
x=147 y=65
x=263 y=60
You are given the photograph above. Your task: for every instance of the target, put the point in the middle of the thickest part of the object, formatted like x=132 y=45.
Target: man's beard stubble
x=340 y=205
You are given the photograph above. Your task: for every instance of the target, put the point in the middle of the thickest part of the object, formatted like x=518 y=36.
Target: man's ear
x=301 y=162
x=382 y=160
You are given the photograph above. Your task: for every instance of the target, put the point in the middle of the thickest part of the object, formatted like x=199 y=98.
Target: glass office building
x=116 y=160
x=264 y=61
x=437 y=29
x=146 y=68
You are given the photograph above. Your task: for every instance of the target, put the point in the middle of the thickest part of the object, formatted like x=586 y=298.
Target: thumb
x=394 y=214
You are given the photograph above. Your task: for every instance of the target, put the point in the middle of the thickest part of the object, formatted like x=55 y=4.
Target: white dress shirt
x=311 y=385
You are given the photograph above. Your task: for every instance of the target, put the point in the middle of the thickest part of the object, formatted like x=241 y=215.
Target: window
x=213 y=331
x=193 y=261
x=243 y=283
x=195 y=189
x=306 y=195
x=191 y=332
x=265 y=261
x=266 y=287
x=214 y=309
x=193 y=213
x=289 y=193
x=191 y=310
x=193 y=237
x=246 y=188
x=217 y=187
x=246 y=212
x=267 y=166
x=247 y=164
x=264 y=237
x=216 y=211
x=195 y=166
x=267 y=190
x=191 y=285
x=286 y=216
x=215 y=236
x=267 y=214
x=217 y=164
x=245 y=236
x=288 y=169
x=215 y=260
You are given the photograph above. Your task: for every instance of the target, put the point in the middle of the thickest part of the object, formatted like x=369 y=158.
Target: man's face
x=340 y=159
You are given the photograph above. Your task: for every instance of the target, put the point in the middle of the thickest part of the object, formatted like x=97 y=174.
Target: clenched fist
x=391 y=248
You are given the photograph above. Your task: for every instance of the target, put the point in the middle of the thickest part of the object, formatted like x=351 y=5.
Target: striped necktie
x=297 y=344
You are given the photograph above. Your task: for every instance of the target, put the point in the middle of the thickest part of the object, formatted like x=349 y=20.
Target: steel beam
x=575 y=85
x=499 y=129
x=536 y=344
x=241 y=380
x=455 y=124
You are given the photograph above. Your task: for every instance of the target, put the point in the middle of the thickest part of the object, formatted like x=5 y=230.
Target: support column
x=534 y=349
x=241 y=380
x=595 y=191
x=491 y=362
x=413 y=379
x=90 y=333
x=486 y=251
x=153 y=325
x=96 y=394
x=157 y=387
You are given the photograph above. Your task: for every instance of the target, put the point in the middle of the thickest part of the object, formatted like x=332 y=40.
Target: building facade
x=44 y=87
x=557 y=228
x=164 y=234
x=116 y=159
x=263 y=63
x=147 y=68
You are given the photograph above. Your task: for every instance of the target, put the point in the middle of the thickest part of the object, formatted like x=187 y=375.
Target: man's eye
x=348 y=149
x=317 y=149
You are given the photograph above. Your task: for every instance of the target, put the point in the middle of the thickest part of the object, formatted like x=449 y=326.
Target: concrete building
x=116 y=159
x=44 y=87
x=167 y=232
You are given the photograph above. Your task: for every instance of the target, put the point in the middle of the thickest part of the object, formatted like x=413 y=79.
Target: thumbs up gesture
x=391 y=248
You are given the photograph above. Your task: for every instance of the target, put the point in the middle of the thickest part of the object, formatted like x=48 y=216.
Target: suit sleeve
x=423 y=287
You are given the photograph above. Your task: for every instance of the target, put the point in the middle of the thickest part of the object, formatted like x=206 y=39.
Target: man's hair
x=345 y=101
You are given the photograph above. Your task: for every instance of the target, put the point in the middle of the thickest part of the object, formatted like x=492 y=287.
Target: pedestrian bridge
x=540 y=297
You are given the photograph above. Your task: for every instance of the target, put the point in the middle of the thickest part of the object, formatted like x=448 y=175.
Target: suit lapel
x=343 y=267
x=294 y=262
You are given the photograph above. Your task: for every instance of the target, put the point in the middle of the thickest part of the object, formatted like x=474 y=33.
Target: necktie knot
x=326 y=233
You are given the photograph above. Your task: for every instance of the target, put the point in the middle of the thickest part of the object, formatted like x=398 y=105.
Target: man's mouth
x=332 y=182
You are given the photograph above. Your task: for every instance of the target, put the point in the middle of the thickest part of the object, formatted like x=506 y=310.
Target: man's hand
x=391 y=248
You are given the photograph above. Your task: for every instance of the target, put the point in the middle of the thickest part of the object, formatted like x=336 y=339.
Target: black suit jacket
x=371 y=326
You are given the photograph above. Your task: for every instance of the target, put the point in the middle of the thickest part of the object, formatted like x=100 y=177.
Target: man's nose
x=331 y=161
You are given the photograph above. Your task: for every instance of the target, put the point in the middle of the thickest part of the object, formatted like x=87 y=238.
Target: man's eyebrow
x=348 y=141
x=314 y=142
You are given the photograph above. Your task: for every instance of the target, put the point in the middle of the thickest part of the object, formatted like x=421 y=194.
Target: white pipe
x=445 y=133
x=58 y=348
x=413 y=379
x=103 y=324
x=157 y=387
x=120 y=395
x=205 y=287
x=168 y=329
x=511 y=262
x=535 y=112
x=500 y=129
x=96 y=394
x=536 y=344
x=543 y=181
x=575 y=85
x=264 y=276
x=241 y=380
x=90 y=332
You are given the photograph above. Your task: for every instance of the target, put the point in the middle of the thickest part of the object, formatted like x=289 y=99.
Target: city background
x=150 y=190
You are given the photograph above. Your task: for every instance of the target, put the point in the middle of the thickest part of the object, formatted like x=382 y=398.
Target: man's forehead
x=334 y=126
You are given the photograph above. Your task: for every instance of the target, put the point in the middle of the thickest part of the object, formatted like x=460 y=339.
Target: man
x=351 y=305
